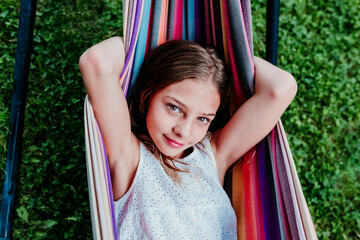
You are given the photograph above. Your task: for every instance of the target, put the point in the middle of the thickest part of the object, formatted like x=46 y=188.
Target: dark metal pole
x=22 y=68
x=272 y=30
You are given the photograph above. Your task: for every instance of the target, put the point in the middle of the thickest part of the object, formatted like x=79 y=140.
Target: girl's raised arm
x=274 y=90
x=101 y=66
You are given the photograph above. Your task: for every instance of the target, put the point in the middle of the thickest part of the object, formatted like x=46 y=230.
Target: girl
x=167 y=171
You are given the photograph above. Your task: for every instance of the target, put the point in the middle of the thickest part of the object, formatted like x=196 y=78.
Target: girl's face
x=179 y=115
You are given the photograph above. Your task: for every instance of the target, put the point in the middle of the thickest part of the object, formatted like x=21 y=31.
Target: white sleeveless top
x=156 y=208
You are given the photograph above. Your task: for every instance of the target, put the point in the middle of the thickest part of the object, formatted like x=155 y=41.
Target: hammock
x=264 y=188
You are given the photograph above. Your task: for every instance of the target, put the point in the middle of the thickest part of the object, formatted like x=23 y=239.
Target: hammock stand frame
x=20 y=88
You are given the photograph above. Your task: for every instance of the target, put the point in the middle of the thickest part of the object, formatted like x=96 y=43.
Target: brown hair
x=169 y=63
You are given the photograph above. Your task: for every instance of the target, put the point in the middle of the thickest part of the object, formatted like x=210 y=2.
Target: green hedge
x=52 y=200
x=318 y=45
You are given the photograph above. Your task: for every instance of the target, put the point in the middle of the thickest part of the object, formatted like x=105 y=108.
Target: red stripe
x=151 y=19
x=207 y=22
x=240 y=94
x=249 y=209
x=213 y=22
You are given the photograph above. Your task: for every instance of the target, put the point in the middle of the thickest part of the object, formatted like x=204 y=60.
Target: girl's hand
x=274 y=91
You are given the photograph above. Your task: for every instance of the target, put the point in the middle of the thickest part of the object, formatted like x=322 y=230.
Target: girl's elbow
x=104 y=59
x=91 y=62
x=286 y=89
x=291 y=86
x=83 y=62
x=294 y=87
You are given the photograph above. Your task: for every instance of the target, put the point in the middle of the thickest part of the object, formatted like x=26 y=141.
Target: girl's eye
x=203 y=119
x=173 y=108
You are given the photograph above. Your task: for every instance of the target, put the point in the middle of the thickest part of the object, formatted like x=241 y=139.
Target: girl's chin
x=173 y=154
x=176 y=155
x=183 y=154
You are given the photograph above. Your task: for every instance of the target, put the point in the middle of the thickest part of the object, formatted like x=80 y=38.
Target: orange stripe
x=163 y=21
x=238 y=199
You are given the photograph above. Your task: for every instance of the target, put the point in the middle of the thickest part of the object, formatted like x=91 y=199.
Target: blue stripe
x=190 y=20
x=141 y=46
x=156 y=24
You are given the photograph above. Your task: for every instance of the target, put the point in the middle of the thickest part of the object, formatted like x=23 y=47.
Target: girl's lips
x=173 y=143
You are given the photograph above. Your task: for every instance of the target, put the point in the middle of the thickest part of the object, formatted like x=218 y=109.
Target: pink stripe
x=239 y=92
x=231 y=54
x=257 y=197
x=178 y=20
x=247 y=41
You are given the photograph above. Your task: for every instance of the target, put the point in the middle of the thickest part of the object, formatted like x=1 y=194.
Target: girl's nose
x=183 y=128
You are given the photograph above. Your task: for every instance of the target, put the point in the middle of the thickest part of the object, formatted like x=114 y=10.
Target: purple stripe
x=267 y=190
x=246 y=10
x=278 y=197
x=132 y=46
x=199 y=20
x=285 y=191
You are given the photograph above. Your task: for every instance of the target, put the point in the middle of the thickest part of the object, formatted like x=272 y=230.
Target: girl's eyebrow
x=177 y=101
x=209 y=114
x=184 y=106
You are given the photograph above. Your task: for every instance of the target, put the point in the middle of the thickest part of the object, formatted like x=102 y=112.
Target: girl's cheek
x=200 y=133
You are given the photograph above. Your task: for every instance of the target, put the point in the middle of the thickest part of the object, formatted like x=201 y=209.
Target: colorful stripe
x=267 y=190
x=103 y=217
x=189 y=20
x=140 y=46
x=178 y=20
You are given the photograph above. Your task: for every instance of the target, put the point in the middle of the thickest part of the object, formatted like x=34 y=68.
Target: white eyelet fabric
x=156 y=208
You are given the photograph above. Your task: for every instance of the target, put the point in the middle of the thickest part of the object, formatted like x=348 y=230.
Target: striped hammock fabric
x=264 y=186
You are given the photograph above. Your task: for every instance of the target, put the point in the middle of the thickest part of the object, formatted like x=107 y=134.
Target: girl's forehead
x=192 y=84
x=193 y=92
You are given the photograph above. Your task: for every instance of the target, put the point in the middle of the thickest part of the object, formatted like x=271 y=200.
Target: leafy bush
x=318 y=45
x=8 y=25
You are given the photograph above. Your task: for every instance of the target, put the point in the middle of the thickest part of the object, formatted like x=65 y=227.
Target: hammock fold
x=264 y=187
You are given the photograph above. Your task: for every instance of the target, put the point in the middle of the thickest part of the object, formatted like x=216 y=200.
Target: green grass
x=318 y=45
